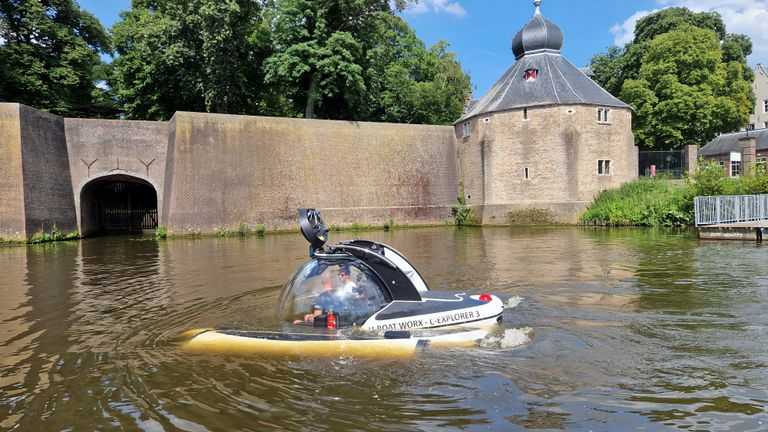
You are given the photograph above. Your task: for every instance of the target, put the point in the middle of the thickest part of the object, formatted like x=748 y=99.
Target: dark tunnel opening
x=118 y=205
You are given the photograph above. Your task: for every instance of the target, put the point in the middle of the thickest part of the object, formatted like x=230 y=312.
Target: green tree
x=685 y=93
x=607 y=68
x=49 y=55
x=320 y=54
x=357 y=60
x=196 y=55
x=623 y=63
x=420 y=85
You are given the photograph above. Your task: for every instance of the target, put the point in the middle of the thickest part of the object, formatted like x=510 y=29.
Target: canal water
x=629 y=330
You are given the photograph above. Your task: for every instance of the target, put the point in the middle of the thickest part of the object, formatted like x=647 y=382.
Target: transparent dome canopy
x=344 y=285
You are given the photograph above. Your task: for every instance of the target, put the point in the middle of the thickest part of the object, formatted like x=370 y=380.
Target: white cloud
x=624 y=33
x=438 y=6
x=740 y=16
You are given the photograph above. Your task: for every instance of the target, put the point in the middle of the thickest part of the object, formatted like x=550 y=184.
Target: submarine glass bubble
x=343 y=284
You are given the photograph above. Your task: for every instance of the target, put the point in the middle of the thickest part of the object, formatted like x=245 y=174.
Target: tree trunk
x=309 y=112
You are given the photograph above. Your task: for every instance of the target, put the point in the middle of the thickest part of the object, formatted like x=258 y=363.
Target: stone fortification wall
x=35 y=189
x=560 y=146
x=224 y=170
x=11 y=178
x=110 y=149
x=48 y=198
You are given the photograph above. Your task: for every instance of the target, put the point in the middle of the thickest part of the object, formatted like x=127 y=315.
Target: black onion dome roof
x=538 y=34
x=556 y=81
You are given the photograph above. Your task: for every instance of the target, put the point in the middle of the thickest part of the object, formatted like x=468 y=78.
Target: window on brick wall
x=603 y=115
x=765 y=106
x=604 y=167
x=761 y=164
x=526 y=173
x=735 y=168
x=466 y=129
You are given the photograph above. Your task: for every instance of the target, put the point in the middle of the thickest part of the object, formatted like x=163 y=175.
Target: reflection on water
x=631 y=329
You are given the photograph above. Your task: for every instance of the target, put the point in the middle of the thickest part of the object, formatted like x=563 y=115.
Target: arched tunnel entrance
x=116 y=205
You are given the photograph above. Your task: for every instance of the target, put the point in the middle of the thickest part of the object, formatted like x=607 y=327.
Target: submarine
x=359 y=297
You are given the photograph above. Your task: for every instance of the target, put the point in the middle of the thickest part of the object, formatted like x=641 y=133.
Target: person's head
x=344 y=272
x=326 y=281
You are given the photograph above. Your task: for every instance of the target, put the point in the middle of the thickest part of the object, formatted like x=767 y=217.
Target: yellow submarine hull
x=297 y=344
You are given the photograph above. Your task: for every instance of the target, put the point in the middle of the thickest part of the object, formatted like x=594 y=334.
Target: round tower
x=545 y=139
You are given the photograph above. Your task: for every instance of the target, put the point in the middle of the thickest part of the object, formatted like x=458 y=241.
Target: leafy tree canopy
x=194 y=55
x=357 y=60
x=636 y=72
x=49 y=56
x=685 y=93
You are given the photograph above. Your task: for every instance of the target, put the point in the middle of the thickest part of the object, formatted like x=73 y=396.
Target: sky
x=481 y=31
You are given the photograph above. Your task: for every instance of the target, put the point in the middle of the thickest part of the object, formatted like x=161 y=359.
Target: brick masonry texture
x=108 y=149
x=227 y=170
x=11 y=179
x=48 y=199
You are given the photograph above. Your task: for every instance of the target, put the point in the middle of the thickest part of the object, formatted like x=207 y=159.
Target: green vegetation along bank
x=658 y=202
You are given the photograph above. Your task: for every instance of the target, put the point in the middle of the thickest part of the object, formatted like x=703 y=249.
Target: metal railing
x=712 y=210
x=671 y=163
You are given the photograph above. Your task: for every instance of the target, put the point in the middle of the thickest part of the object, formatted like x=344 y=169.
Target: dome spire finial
x=537 y=3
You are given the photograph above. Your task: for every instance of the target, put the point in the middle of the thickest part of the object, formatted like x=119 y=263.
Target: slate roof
x=726 y=143
x=558 y=82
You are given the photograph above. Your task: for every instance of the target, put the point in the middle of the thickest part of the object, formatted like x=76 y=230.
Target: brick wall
x=225 y=170
x=11 y=179
x=111 y=149
x=48 y=198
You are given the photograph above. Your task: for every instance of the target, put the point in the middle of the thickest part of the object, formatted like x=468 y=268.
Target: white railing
x=711 y=210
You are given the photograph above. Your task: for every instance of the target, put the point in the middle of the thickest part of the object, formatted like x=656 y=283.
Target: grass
x=54 y=235
x=654 y=202
x=642 y=202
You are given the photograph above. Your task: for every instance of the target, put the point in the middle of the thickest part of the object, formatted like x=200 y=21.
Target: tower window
x=604 y=167
x=765 y=106
x=526 y=173
x=525 y=113
x=603 y=115
x=466 y=129
x=531 y=74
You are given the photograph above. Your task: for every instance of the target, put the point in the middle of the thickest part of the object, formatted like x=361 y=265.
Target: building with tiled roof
x=545 y=139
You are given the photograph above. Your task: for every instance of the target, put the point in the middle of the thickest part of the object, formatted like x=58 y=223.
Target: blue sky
x=481 y=31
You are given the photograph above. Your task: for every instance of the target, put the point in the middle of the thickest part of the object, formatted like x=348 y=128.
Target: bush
x=260 y=230
x=642 y=202
x=161 y=233
x=757 y=184
x=461 y=214
x=659 y=203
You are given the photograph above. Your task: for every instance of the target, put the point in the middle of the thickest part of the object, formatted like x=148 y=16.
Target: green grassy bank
x=659 y=202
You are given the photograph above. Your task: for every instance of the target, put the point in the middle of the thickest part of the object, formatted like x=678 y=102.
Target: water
x=630 y=330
